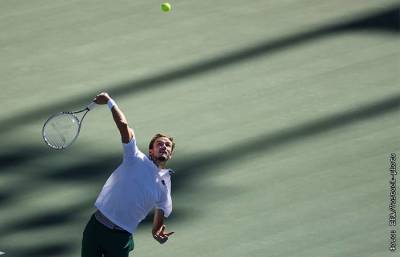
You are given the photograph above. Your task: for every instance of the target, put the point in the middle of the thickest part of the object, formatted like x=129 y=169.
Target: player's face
x=162 y=149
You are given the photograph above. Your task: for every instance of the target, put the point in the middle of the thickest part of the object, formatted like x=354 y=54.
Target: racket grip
x=91 y=106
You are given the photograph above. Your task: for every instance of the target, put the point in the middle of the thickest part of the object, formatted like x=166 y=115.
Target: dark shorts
x=98 y=241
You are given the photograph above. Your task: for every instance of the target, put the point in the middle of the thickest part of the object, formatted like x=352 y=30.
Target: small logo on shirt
x=163 y=182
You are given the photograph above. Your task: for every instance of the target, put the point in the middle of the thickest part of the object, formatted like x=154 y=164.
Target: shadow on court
x=188 y=170
x=98 y=169
x=45 y=250
x=386 y=21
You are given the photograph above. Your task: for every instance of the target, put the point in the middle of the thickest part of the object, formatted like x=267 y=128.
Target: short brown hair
x=158 y=135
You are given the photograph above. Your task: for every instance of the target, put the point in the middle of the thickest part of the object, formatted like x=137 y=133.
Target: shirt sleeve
x=130 y=149
x=165 y=202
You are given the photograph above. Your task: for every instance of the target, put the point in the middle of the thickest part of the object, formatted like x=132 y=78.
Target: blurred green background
x=284 y=113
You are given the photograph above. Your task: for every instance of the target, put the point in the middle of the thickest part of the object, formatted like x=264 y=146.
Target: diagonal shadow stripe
x=386 y=21
x=44 y=250
x=271 y=141
x=190 y=167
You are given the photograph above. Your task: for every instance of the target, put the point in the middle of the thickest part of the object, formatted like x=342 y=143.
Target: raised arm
x=119 y=117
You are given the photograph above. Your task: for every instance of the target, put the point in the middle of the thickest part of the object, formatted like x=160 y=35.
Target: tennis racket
x=61 y=129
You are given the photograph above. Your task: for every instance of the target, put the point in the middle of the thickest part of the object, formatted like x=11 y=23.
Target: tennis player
x=140 y=184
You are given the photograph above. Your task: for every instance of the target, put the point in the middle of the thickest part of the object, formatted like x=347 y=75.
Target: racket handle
x=91 y=106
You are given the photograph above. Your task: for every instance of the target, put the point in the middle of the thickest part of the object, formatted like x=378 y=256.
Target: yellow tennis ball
x=166 y=7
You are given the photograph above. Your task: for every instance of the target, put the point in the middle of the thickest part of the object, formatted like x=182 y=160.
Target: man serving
x=140 y=184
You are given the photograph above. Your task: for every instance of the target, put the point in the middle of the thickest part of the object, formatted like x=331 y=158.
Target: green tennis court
x=285 y=114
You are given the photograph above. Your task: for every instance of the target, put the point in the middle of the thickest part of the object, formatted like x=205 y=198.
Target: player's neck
x=160 y=164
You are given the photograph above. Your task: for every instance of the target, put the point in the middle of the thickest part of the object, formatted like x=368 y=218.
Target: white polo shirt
x=134 y=189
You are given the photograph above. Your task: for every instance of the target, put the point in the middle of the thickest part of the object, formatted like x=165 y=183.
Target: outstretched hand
x=101 y=98
x=161 y=236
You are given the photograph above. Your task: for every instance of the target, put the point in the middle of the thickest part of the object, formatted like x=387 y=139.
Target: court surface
x=285 y=114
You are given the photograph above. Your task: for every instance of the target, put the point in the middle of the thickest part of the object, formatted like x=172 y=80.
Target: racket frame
x=73 y=113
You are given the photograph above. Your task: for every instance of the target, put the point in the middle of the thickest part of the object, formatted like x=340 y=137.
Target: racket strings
x=61 y=130
x=57 y=140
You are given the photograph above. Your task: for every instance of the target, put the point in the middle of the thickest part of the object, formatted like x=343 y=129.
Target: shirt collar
x=164 y=172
